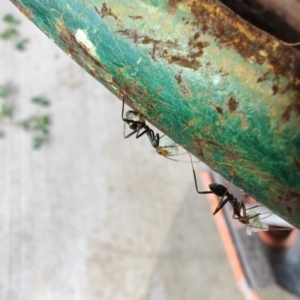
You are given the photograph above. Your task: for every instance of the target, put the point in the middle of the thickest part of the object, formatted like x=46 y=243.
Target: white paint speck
x=82 y=38
x=216 y=79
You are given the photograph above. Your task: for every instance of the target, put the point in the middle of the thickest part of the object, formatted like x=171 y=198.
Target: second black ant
x=239 y=208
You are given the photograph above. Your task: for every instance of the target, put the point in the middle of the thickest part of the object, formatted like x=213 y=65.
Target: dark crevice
x=264 y=15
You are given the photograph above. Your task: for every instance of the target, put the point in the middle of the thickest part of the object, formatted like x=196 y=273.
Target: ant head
x=218 y=189
x=162 y=151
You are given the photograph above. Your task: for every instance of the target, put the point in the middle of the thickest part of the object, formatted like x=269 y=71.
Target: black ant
x=136 y=122
x=238 y=206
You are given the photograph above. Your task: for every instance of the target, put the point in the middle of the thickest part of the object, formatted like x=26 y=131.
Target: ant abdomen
x=218 y=189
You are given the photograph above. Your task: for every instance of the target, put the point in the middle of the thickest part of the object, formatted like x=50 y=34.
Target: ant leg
x=195 y=179
x=150 y=134
x=154 y=139
x=126 y=121
x=254 y=207
x=130 y=134
x=235 y=217
x=140 y=134
x=243 y=208
x=256 y=215
x=221 y=204
x=124 y=128
x=157 y=138
x=123 y=108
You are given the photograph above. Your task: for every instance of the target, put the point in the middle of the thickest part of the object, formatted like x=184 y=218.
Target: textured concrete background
x=91 y=215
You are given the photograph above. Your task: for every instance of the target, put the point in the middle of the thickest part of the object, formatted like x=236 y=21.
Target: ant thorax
x=135 y=116
x=218 y=189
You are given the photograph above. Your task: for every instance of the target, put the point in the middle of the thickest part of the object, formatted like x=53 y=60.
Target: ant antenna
x=290 y=44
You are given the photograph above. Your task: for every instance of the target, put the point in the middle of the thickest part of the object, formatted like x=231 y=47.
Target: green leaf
x=45 y=120
x=21 y=45
x=25 y=124
x=11 y=19
x=40 y=101
x=37 y=123
x=38 y=142
x=3 y=91
x=5 y=110
x=8 y=33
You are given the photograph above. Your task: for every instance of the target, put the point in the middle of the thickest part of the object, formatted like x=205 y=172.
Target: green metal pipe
x=224 y=90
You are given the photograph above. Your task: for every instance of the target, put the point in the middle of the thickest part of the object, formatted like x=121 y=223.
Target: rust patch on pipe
x=183 y=88
x=290 y=196
x=173 y=6
x=289 y=210
x=297 y=162
x=89 y=62
x=263 y=77
x=78 y=50
x=293 y=107
x=196 y=46
x=178 y=78
x=219 y=110
x=135 y=17
x=163 y=49
x=251 y=43
x=183 y=62
x=227 y=152
x=217 y=107
x=200 y=147
x=275 y=88
x=203 y=144
x=25 y=11
x=232 y=105
x=105 y=11
x=144 y=39
x=289 y=199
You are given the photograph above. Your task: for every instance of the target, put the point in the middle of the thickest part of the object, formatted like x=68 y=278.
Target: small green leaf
x=25 y=124
x=40 y=101
x=38 y=142
x=11 y=19
x=21 y=45
x=37 y=123
x=5 y=110
x=3 y=91
x=6 y=34
x=45 y=120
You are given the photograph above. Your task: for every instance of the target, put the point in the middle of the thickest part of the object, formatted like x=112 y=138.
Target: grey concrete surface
x=91 y=215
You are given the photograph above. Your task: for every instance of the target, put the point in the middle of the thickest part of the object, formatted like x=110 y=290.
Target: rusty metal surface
x=226 y=91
